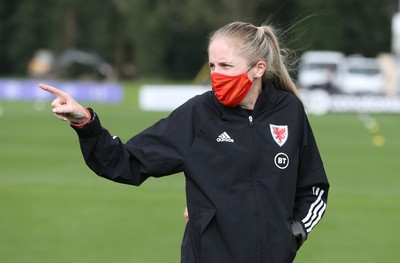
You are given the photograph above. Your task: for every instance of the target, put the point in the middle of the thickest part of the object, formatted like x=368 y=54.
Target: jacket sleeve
x=312 y=187
x=157 y=151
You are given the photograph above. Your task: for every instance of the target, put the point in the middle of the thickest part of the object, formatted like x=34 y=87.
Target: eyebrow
x=222 y=63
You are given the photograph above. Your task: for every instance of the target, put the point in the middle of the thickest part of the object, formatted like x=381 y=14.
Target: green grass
x=54 y=209
x=363 y=208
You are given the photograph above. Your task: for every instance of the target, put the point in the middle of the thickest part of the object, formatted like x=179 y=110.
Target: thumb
x=61 y=109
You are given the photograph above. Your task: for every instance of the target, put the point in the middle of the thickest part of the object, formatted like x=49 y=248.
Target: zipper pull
x=251 y=120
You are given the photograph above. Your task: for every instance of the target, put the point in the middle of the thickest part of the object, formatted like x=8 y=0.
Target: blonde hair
x=259 y=43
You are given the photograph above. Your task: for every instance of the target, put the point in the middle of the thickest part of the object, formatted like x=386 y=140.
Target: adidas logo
x=224 y=137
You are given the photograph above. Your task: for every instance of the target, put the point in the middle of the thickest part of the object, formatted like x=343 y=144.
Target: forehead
x=223 y=49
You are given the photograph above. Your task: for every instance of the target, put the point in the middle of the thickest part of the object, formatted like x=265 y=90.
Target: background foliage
x=167 y=38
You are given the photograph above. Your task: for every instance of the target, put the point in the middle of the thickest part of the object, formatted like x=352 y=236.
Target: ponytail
x=278 y=71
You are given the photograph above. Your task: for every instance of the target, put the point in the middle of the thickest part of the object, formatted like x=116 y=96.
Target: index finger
x=56 y=92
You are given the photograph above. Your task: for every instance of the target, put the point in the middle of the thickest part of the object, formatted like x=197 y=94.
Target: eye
x=211 y=65
x=225 y=66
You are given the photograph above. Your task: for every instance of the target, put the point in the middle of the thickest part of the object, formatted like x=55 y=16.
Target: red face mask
x=230 y=90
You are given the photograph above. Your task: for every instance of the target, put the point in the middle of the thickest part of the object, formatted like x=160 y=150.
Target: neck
x=251 y=98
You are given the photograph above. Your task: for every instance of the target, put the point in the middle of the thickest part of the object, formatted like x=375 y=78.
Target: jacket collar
x=268 y=98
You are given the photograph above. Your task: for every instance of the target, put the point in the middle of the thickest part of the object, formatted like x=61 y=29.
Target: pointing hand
x=64 y=107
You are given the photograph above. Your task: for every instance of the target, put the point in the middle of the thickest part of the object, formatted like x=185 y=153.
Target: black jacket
x=255 y=181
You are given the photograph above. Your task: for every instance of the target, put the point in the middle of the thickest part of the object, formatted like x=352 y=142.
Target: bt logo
x=281 y=161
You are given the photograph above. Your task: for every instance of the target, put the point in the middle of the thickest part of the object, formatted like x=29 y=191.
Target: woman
x=255 y=181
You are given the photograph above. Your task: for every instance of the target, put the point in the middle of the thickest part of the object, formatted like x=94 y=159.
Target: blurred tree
x=6 y=12
x=171 y=35
x=168 y=38
x=70 y=29
x=364 y=29
x=30 y=27
x=350 y=26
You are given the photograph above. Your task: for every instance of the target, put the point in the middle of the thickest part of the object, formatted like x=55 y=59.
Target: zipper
x=251 y=120
x=253 y=186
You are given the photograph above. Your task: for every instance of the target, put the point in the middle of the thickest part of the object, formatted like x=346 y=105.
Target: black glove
x=299 y=233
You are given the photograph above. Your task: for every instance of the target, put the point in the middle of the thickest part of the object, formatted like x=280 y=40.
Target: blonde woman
x=255 y=181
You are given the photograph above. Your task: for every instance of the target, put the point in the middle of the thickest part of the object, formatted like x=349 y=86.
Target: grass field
x=54 y=209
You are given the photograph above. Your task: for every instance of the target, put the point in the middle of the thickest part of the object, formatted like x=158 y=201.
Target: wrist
x=88 y=118
x=92 y=129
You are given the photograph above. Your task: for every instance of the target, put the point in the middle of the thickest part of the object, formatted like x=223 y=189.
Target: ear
x=261 y=67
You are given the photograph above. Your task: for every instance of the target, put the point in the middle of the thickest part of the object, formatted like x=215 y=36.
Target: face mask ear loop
x=251 y=68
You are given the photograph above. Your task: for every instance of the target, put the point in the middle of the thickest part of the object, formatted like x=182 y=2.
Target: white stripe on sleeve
x=316 y=210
